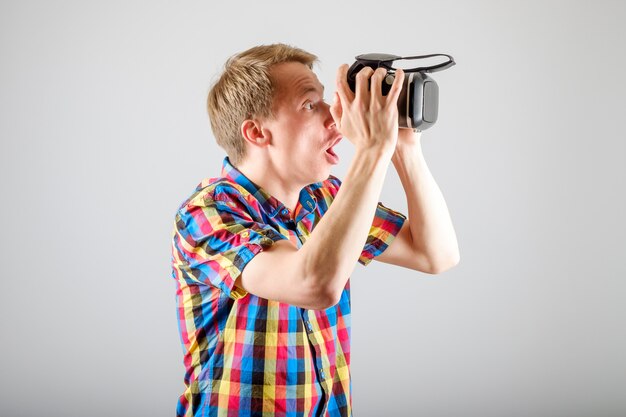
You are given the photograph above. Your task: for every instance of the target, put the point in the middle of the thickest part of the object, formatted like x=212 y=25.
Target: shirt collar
x=270 y=204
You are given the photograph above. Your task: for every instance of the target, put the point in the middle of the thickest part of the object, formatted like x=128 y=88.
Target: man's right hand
x=367 y=118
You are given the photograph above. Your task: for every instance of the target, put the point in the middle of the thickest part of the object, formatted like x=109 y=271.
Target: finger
x=345 y=94
x=362 y=79
x=394 y=92
x=336 y=111
x=376 y=83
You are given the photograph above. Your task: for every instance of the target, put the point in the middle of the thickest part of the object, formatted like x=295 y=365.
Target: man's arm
x=427 y=241
x=315 y=275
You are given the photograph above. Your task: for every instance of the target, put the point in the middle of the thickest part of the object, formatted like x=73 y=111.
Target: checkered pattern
x=245 y=355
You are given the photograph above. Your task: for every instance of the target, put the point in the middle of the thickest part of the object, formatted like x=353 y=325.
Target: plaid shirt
x=245 y=355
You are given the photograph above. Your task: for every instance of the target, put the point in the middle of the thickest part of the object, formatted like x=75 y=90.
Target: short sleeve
x=215 y=240
x=386 y=225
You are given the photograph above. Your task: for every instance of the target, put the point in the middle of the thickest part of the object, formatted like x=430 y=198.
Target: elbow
x=324 y=303
x=324 y=286
x=444 y=264
x=326 y=298
x=326 y=294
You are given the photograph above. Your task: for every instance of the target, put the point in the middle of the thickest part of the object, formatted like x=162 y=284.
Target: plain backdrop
x=104 y=133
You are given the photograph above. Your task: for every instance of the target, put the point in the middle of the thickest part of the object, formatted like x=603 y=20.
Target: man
x=262 y=259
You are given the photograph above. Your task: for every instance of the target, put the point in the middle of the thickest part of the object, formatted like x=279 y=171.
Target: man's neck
x=266 y=177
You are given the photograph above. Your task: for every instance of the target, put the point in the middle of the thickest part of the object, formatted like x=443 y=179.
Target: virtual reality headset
x=418 y=103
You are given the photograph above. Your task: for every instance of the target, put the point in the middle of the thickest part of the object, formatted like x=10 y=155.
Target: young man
x=262 y=255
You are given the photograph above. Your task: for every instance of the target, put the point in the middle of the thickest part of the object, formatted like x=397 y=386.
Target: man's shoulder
x=210 y=190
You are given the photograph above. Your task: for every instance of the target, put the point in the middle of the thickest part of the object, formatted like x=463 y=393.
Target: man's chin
x=323 y=176
x=317 y=176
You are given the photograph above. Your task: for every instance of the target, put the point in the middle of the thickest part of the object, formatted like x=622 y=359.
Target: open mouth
x=331 y=156
x=331 y=151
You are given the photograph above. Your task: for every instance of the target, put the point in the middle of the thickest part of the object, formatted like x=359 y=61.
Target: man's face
x=302 y=130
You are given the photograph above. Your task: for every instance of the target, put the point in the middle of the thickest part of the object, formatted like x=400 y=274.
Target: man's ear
x=253 y=132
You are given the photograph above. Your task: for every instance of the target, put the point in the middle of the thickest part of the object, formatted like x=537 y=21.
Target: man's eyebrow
x=311 y=89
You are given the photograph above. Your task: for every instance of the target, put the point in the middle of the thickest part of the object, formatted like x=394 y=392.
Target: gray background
x=104 y=133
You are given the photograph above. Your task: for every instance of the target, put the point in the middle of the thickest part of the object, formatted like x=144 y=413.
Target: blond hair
x=245 y=90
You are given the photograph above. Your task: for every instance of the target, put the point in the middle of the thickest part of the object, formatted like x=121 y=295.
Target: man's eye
x=308 y=105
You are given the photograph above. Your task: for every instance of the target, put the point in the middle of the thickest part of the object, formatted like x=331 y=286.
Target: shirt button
x=285 y=212
x=308 y=325
x=322 y=374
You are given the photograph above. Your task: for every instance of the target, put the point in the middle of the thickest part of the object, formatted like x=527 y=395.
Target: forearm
x=431 y=227
x=334 y=247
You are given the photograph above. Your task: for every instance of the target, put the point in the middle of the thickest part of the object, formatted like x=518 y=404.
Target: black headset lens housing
x=418 y=103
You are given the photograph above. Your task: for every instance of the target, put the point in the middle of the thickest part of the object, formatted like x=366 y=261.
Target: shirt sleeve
x=385 y=226
x=213 y=242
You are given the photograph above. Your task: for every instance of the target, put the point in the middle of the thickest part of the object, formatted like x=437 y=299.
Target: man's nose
x=329 y=122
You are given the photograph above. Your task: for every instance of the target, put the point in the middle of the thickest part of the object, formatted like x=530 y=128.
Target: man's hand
x=367 y=118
